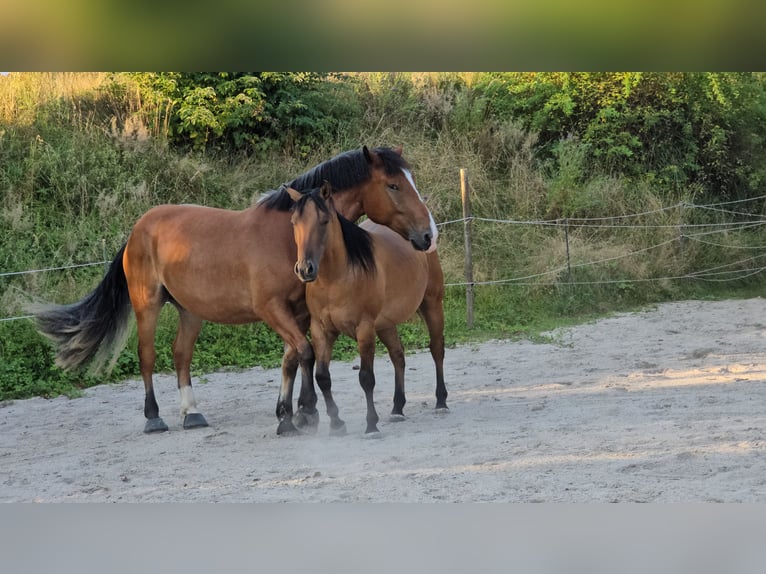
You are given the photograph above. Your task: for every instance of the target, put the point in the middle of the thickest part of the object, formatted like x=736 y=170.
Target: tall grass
x=24 y=96
x=82 y=156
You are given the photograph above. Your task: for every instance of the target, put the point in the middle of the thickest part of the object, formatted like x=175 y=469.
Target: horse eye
x=393 y=186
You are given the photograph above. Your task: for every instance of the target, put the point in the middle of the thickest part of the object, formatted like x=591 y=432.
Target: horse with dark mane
x=341 y=173
x=229 y=267
x=361 y=281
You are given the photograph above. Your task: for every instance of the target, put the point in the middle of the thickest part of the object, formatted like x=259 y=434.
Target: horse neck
x=349 y=203
x=334 y=264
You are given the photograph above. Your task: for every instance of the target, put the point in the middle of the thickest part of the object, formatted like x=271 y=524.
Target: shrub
x=251 y=112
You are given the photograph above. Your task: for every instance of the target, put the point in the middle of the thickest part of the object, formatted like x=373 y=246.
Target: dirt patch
x=663 y=405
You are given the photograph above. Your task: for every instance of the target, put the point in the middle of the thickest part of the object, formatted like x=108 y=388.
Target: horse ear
x=398 y=150
x=326 y=191
x=367 y=154
x=294 y=194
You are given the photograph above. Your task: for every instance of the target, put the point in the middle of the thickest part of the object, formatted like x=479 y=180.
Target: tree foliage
x=674 y=129
x=250 y=112
x=704 y=131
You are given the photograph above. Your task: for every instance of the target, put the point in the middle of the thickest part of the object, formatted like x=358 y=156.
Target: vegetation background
x=83 y=155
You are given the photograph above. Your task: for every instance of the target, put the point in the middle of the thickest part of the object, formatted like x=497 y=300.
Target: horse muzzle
x=423 y=241
x=306 y=271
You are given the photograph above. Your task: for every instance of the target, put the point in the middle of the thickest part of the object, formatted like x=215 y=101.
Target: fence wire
x=61 y=268
x=686 y=231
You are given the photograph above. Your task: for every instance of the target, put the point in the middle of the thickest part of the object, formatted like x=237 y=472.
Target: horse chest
x=340 y=309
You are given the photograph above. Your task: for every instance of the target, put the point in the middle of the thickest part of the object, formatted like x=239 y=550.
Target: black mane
x=358 y=242
x=344 y=171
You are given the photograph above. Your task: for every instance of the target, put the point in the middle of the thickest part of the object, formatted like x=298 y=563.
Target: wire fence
x=687 y=231
x=700 y=233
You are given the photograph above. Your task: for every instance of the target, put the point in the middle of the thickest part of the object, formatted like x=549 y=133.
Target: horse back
x=175 y=236
x=213 y=261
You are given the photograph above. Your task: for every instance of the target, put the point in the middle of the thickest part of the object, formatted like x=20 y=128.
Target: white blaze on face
x=434 y=231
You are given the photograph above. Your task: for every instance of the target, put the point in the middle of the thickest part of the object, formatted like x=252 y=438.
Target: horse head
x=312 y=212
x=391 y=198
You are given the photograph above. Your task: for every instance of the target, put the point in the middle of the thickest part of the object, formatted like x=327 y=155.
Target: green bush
x=677 y=129
x=251 y=112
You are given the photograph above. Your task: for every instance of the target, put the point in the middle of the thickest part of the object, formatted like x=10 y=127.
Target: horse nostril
x=296 y=269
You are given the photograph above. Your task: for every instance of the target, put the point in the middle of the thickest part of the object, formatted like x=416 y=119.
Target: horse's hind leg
x=146 y=322
x=432 y=311
x=189 y=327
x=390 y=338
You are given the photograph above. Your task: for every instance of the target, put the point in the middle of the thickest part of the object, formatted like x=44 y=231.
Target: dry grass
x=23 y=93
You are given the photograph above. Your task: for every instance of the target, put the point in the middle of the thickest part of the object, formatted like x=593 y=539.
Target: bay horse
x=226 y=266
x=361 y=281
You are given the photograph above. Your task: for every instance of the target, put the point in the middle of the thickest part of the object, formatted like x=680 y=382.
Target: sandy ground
x=662 y=405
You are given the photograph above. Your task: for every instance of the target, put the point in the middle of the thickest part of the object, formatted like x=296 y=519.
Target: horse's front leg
x=323 y=344
x=285 y=400
x=366 y=341
x=307 y=417
x=298 y=352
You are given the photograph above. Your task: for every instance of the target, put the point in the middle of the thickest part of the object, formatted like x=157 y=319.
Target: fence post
x=566 y=239
x=467 y=220
x=682 y=233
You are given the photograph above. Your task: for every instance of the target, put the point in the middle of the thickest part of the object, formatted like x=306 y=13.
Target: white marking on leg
x=434 y=230
x=188 y=403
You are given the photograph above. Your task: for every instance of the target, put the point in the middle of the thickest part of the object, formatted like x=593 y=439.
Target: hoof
x=373 y=434
x=155 y=425
x=396 y=418
x=338 y=428
x=306 y=421
x=442 y=410
x=194 y=420
x=287 y=428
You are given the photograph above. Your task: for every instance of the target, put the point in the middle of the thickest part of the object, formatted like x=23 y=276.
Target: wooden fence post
x=566 y=239
x=467 y=220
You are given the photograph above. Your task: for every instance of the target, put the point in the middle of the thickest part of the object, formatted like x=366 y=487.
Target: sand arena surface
x=662 y=405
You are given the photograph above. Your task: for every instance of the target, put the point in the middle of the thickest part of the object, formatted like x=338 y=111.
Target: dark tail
x=94 y=330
